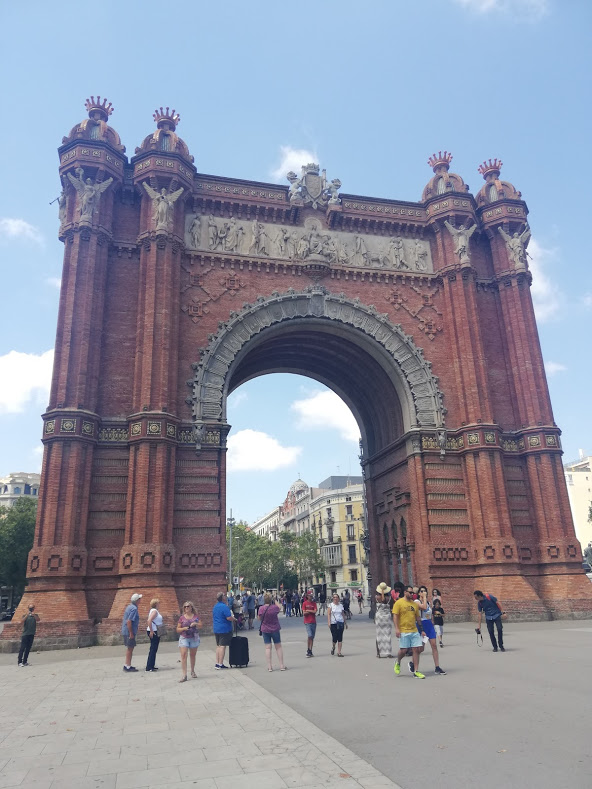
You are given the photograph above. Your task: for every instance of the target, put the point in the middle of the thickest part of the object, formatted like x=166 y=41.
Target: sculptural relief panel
x=310 y=243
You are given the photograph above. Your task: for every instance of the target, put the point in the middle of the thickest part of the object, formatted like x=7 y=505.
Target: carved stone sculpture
x=461 y=236
x=397 y=253
x=89 y=193
x=516 y=245
x=195 y=232
x=212 y=232
x=62 y=206
x=162 y=206
x=312 y=188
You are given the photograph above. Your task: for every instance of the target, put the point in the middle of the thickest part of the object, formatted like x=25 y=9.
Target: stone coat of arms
x=312 y=187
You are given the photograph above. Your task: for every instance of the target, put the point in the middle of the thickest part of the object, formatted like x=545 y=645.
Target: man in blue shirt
x=488 y=604
x=222 y=620
x=129 y=630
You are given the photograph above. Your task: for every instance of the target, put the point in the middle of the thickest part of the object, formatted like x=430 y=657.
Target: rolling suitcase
x=239 y=651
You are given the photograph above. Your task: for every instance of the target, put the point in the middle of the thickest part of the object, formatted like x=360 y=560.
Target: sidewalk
x=78 y=721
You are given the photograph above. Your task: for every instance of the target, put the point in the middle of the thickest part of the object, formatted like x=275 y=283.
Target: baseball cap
x=136 y=597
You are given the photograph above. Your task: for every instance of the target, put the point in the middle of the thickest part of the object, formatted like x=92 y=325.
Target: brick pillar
x=57 y=562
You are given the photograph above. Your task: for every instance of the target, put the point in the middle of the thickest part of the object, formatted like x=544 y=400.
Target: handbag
x=161 y=630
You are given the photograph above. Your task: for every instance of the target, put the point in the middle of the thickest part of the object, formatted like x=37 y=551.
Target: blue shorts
x=273 y=636
x=311 y=629
x=407 y=640
x=428 y=628
x=192 y=643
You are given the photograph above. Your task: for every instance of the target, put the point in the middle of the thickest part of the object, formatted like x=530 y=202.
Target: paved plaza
x=514 y=719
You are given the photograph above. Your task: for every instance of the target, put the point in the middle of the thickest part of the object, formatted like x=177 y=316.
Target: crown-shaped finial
x=440 y=160
x=166 y=119
x=103 y=108
x=493 y=166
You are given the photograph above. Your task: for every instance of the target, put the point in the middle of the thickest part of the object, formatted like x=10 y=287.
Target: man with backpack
x=489 y=605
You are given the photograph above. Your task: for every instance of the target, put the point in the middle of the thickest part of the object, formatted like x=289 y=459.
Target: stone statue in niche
x=233 y=236
x=461 y=236
x=516 y=245
x=259 y=239
x=360 y=255
x=62 y=206
x=212 y=232
x=88 y=192
x=162 y=205
x=396 y=253
x=420 y=256
x=195 y=232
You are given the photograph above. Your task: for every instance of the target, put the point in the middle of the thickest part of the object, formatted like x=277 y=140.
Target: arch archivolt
x=420 y=391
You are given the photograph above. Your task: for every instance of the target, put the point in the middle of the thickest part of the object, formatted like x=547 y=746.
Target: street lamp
x=238 y=562
x=230 y=523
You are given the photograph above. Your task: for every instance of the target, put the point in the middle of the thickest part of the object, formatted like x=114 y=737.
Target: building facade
x=15 y=486
x=578 y=475
x=179 y=286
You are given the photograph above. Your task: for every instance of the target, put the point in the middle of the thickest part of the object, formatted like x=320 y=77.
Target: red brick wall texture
x=464 y=492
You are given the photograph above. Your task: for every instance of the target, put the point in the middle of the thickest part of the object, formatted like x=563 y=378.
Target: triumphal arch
x=178 y=287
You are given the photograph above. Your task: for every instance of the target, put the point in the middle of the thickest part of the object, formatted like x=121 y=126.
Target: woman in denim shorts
x=270 y=630
x=188 y=638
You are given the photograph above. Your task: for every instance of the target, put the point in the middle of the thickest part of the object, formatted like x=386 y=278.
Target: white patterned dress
x=383 y=623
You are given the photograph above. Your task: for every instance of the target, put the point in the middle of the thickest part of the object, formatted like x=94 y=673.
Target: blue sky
x=367 y=90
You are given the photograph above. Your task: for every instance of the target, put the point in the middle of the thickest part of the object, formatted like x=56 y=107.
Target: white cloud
x=18 y=228
x=55 y=282
x=546 y=295
x=252 y=450
x=553 y=368
x=292 y=159
x=326 y=411
x=24 y=377
x=523 y=9
x=236 y=398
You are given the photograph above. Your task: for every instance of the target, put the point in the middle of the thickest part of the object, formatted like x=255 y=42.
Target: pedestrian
x=129 y=630
x=270 y=630
x=309 y=609
x=288 y=603
x=259 y=601
x=438 y=620
x=222 y=622
x=383 y=622
x=187 y=626
x=489 y=605
x=337 y=624
x=322 y=602
x=427 y=629
x=154 y=628
x=30 y=620
x=436 y=595
x=296 y=603
x=346 y=602
x=360 y=597
x=406 y=617
x=251 y=609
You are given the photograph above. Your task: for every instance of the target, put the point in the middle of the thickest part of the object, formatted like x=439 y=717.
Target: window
x=348 y=498
x=333 y=577
x=34 y=491
x=331 y=555
x=351 y=532
x=353 y=575
x=348 y=512
x=352 y=553
x=328 y=512
x=329 y=533
x=17 y=491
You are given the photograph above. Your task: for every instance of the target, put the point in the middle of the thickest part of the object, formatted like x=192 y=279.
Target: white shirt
x=336 y=613
x=157 y=621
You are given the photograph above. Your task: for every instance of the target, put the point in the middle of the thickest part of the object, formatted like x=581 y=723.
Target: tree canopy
x=17 y=529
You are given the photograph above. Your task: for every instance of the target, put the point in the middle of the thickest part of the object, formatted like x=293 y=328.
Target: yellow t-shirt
x=406 y=611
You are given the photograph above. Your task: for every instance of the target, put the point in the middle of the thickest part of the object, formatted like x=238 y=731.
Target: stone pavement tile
x=125 y=765
x=29 y=762
x=158 y=776
x=253 y=764
x=230 y=751
x=180 y=757
x=299 y=776
x=64 y=772
x=21 y=748
x=95 y=782
x=200 y=783
x=91 y=754
x=13 y=778
x=3 y=763
x=210 y=740
x=40 y=784
x=268 y=779
x=116 y=738
x=212 y=770
x=145 y=728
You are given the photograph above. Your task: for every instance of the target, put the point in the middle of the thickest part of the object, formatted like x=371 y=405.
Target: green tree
x=307 y=560
x=17 y=529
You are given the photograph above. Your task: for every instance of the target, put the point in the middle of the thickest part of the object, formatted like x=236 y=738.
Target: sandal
x=284 y=668
x=270 y=669
x=193 y=675
x=333 y=649
x=183 y=679
x=339 y=654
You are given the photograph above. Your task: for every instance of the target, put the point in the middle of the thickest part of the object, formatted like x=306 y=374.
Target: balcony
x=331 y=555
